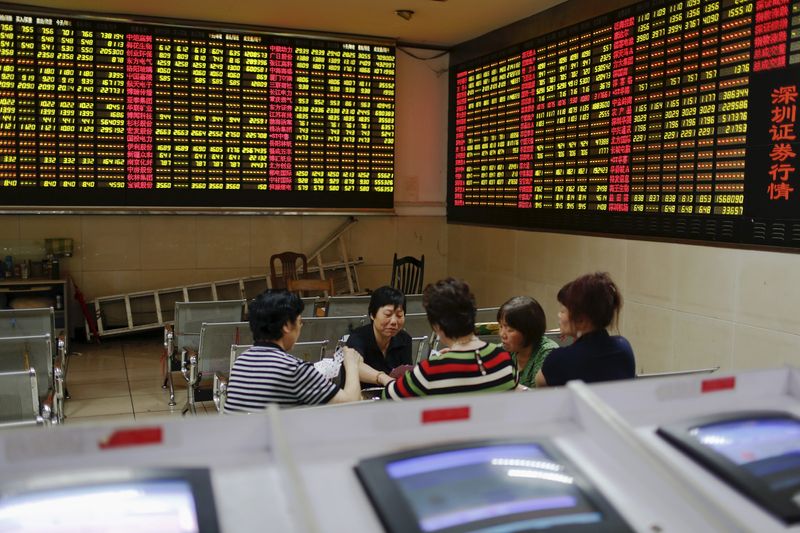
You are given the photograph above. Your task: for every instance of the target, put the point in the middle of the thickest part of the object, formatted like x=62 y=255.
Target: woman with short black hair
x=266 y=373
x=383 y=343
x=522 y=326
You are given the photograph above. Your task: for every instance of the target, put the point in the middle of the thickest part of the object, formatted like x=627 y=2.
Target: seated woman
x=589 y=305
x=266 y=373
x=382 y=343
x=522 y=325
x=470 y=364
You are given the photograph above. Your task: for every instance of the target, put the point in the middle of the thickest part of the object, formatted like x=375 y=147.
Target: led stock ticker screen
x=99 y=112
x=666 y=119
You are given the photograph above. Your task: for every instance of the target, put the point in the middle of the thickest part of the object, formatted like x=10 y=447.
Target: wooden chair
x=288 y=262
x=316 y=285
x=408 y=274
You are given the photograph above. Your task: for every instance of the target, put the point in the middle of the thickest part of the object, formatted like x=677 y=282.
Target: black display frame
x=779 y=504
x=746 y=230
x=131 y=201
x=198 y=479
x=397 y=515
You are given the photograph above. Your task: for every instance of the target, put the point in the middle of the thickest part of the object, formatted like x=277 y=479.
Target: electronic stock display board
x=673 y=119
x=101 y=112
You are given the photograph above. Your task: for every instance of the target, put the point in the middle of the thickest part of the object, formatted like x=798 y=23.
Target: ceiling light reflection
x=533 y=474
x=540 y=465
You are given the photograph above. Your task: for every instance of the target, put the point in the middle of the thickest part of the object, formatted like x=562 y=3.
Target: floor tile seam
x=128 y=381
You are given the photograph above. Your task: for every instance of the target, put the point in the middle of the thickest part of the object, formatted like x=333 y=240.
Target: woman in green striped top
x=522 y=326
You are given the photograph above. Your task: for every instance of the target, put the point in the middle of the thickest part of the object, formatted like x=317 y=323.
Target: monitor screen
x=757 y=453
x=176 y=501
x=484 y=487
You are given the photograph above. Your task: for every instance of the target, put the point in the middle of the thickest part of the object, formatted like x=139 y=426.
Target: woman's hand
x=352 y=388
x=351 y=357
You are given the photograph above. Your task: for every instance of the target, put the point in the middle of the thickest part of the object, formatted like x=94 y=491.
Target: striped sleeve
x=312 y=387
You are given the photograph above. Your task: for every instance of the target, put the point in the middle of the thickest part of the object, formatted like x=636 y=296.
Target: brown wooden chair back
x=288 y=262
x=303 y=286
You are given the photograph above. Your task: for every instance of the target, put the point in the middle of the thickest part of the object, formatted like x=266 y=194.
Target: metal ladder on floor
x=337 y=238
x=153 y=309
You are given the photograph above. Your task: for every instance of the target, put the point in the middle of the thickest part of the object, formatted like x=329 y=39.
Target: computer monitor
x=490 y=486
x=755 y=452
x=177 y=500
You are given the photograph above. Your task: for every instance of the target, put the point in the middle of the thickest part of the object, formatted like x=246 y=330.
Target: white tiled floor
x=120 y=379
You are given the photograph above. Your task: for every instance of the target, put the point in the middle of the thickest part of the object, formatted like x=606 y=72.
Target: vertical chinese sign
x=772 y=155
x=783 y=117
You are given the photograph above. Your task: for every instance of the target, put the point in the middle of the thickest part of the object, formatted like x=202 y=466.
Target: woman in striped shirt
x=470 y=364
x=267 y=374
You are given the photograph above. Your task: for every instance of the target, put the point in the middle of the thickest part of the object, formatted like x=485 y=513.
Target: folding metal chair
x=330 y=329
x=414 y=304
x=420 y=348
x=35 y=352
x=212 y=355
x=310 y=351
x=486 y=314
x=185 y=334
x=310 y=306
x=19 y=399
x=348 y=305
x=678 y=373
x=219 y=389
x=417 y=325
x=37 y=321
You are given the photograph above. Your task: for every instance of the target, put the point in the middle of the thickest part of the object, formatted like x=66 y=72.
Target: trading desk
x=294 y=469
x=644 y=406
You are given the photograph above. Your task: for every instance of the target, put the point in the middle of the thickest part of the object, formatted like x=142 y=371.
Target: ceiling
x=435 y=23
